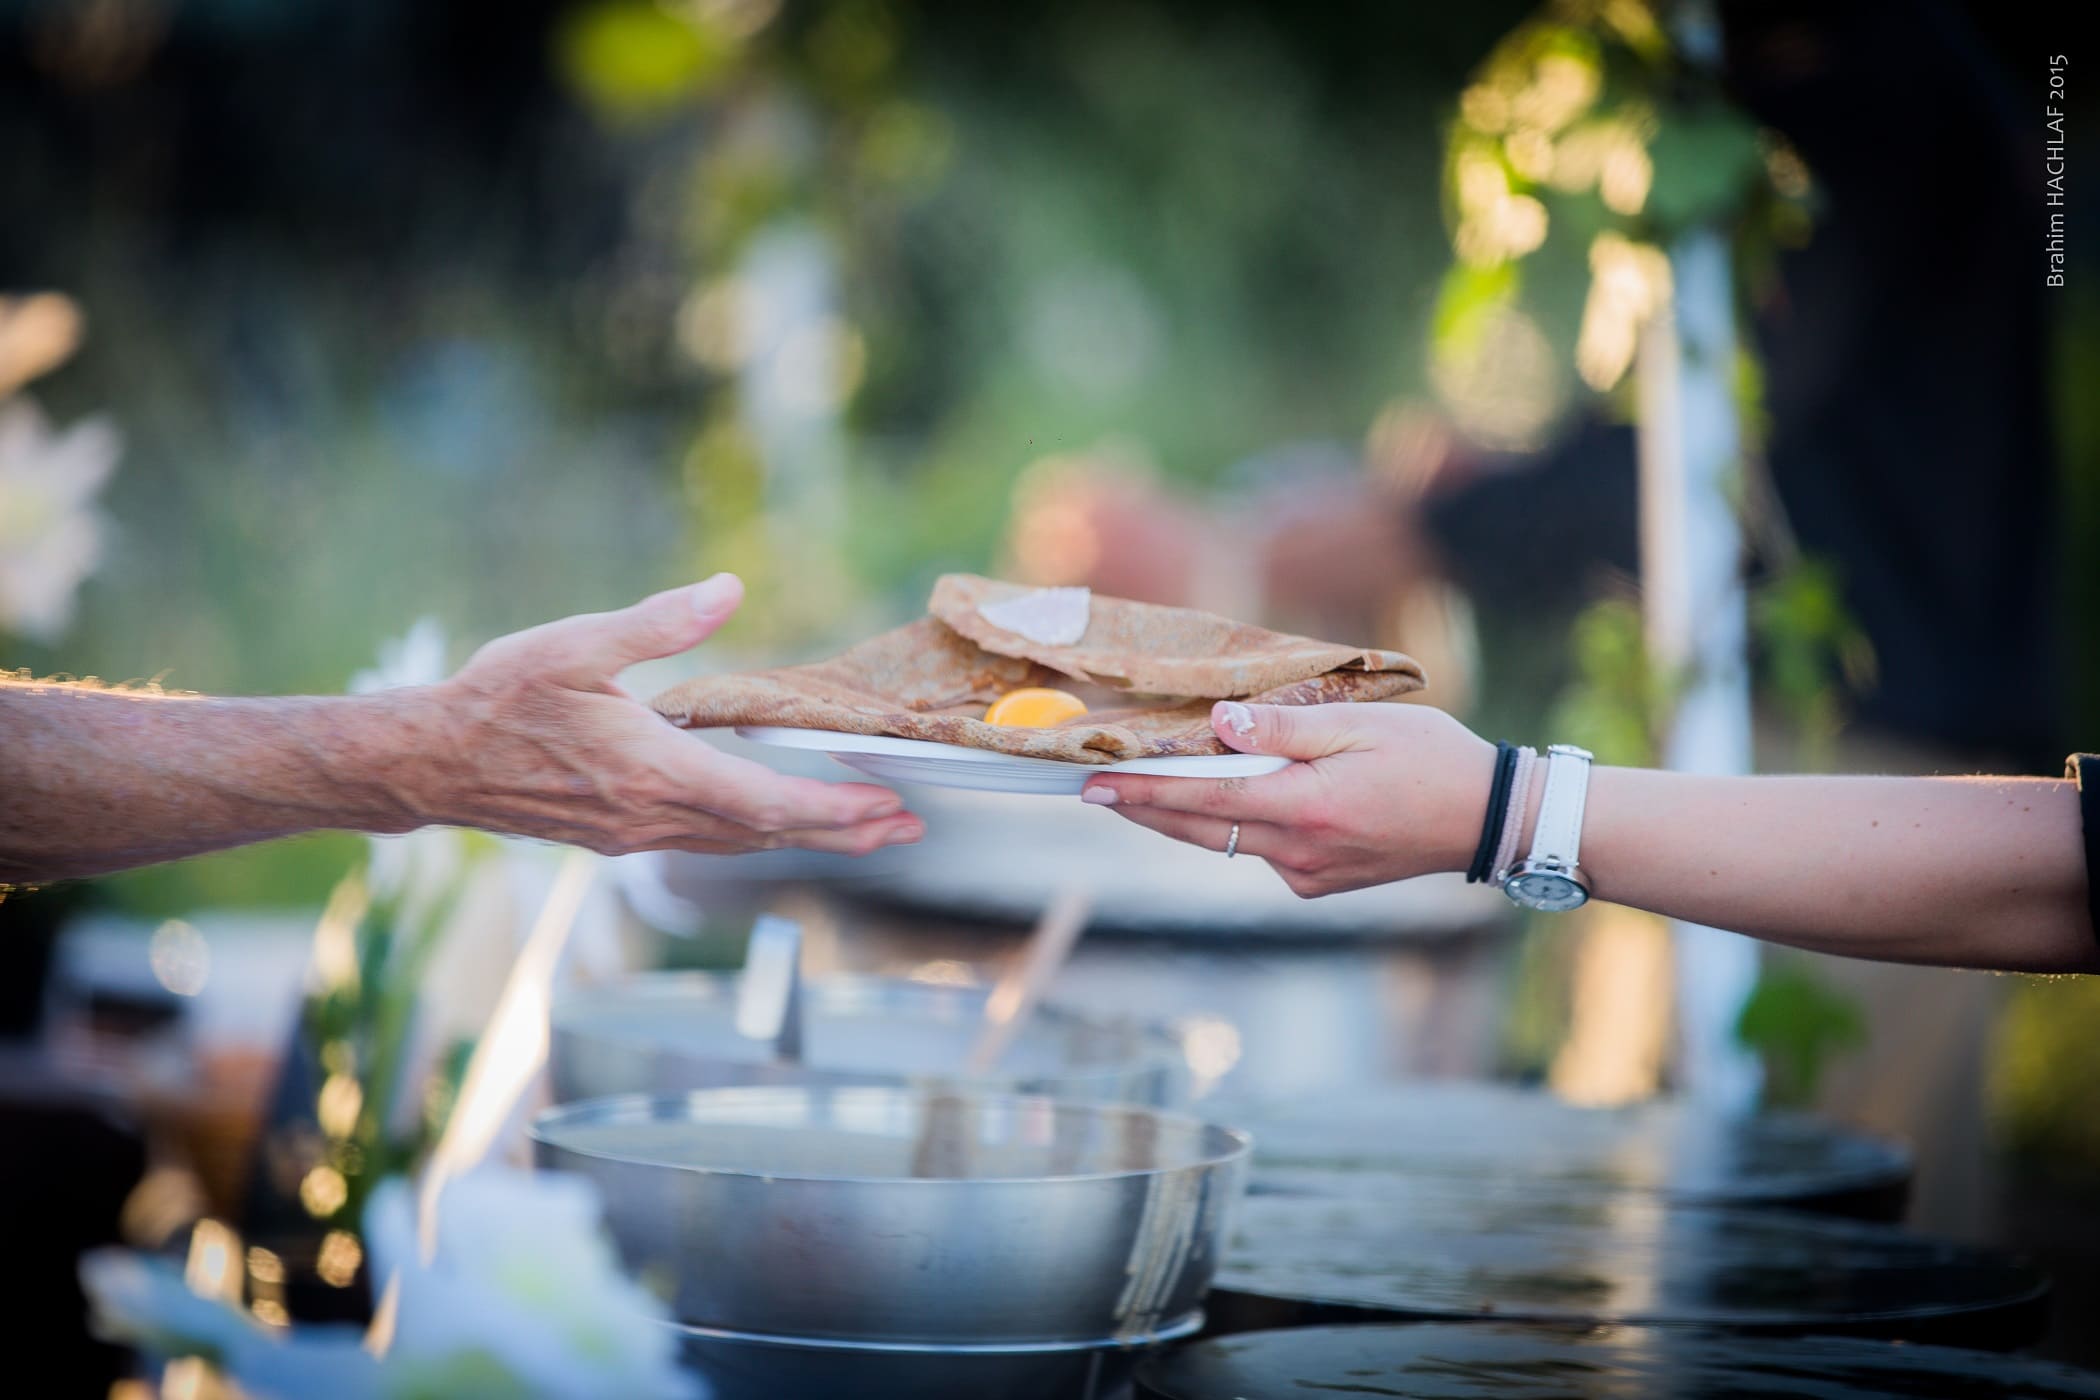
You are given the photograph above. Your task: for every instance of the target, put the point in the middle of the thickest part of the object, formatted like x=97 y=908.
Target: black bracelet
x=1497 y=811
x=2089 y=820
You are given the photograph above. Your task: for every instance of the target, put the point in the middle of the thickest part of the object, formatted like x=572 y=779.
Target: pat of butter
x=1050 y=617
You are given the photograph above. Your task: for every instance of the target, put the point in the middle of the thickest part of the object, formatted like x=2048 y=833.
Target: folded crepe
x=1148 y=675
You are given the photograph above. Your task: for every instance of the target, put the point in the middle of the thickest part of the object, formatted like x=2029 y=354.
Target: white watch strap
x=1558 y=836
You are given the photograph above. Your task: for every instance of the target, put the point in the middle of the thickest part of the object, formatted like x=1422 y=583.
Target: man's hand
x=540 y=740
x=533 y=737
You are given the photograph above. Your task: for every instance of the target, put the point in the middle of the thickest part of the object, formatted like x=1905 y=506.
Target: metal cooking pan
x=894 y=1217
x=676 y=1032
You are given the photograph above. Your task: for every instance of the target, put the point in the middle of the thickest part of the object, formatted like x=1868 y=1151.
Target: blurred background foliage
x=499 y=311
x=416 y=309
x=1593 y=136
x=1798 y=1022
x=2042 y=1105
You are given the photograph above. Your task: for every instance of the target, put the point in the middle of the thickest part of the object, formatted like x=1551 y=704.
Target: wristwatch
x=1547 y=878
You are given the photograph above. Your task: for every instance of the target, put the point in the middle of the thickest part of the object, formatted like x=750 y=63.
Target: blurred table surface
x=193 y=1066
x=1458 y=1251
x=1498 y=1361
x=1385 y=1141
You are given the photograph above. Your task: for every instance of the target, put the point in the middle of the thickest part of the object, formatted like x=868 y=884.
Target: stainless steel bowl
x=668 y=1033
x=900 y=1217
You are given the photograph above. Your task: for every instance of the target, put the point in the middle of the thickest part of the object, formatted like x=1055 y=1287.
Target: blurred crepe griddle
x=988 y=857
x=1148 y=675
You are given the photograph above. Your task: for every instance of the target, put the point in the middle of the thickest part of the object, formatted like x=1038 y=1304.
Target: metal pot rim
x=667 y=1107
x=1188 y=1324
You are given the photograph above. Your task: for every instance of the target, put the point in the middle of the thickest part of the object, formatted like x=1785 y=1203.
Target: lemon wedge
x=1034 y=708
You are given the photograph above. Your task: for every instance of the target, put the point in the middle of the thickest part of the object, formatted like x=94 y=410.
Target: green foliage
x=276 y=875
x=2044 y=1075
x=1796 y=1022
x=1466 y=301
x=1585 y=144
x=1708 y=162
x=357 y=1027
x=1136 y=225
x=810 y=134
x=1618 y=707
x=490 y=421
x=2076 y=368
x=1810 y=652
x=1615 y=706
x=635 y=59
x=1537 y=1014
x=477 y=1372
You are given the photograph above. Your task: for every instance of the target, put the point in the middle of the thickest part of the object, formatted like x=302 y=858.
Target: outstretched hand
x=540 y=740
x=1380 y=793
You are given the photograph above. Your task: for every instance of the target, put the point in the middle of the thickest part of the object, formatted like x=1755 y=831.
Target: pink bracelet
x=1513 y=821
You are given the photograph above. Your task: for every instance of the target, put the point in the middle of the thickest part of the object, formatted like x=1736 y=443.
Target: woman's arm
x=533 y=737
x=1975 y=872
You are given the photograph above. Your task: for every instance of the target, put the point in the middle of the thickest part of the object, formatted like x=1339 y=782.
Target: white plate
x=951 y=765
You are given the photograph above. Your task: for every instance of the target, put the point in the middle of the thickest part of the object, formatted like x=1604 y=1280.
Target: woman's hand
x=1382 y=792
x=538 y=739
x=1970 y=872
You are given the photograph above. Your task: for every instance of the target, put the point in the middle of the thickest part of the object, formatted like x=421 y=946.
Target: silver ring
x=1232 y=842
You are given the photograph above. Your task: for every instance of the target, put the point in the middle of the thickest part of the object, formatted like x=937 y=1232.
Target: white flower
x=524 y=1297
x=50 y=532
x=417 y=658
x=309 y=1363
x=420 y=866
x=641 y=880
x=144 y=1302
x=525 y=1280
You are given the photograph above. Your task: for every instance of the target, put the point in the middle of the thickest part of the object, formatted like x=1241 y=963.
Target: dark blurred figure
x=1905 y=353
x=67 y=1167
x=1905 y=356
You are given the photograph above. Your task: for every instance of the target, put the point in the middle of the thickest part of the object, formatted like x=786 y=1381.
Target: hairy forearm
x=1977 y=872
x=97 y=780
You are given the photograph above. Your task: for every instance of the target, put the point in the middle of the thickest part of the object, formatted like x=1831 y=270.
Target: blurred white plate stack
x=953 y=766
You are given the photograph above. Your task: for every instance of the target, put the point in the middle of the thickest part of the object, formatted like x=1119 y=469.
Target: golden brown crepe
x=1148 y=675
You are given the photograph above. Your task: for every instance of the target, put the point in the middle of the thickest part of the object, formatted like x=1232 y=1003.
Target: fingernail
x=887 y=807
x=1099 y=796
x=1237 y=717
x=715 y=594
x=909 y=835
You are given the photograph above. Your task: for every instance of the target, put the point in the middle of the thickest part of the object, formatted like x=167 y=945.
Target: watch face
x=1555 y=894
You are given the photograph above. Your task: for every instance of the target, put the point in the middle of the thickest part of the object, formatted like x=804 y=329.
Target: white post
x=1696 y=619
